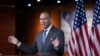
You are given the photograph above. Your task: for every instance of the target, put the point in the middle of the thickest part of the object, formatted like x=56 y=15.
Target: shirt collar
x=48 y=29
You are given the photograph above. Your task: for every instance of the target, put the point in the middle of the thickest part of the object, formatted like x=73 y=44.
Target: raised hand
x=13 y=40
x=55 y=42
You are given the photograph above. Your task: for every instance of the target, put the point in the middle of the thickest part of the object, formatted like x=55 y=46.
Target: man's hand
x=55 y=42
x=0 y=54
x=13 y=40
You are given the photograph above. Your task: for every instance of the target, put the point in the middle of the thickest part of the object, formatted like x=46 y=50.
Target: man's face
x=45 y=20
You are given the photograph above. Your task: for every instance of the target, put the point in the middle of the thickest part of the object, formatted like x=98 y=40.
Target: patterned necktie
x=44 y=36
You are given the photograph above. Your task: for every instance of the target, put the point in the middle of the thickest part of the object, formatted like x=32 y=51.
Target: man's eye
x=42 y=18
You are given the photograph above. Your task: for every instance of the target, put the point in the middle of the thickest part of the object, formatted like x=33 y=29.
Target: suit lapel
x=48 y=36
x=41 y=43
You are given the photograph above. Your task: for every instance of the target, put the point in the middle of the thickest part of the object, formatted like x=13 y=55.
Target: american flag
x=95 y=31
x=79 y=43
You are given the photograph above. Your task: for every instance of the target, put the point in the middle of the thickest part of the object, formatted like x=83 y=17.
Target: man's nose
x=42 y=20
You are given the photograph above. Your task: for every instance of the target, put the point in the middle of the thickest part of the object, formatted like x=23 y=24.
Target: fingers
x=0 y=54
x=12 y=39
x=54 y=39
x=55 y=42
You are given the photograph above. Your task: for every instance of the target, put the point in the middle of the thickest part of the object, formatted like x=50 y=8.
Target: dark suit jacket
x=48 y=48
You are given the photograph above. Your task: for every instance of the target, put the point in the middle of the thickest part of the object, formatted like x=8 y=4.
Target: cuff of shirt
x=18 y=44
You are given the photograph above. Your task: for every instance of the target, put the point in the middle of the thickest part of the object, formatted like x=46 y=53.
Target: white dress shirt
x=48 y=30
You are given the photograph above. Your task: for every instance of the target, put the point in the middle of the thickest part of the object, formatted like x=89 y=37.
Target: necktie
x=44 y=36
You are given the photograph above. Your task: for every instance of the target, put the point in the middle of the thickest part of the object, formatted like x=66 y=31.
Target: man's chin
x=44 y=27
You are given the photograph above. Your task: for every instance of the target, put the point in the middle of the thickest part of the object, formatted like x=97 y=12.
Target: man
x=48 y=42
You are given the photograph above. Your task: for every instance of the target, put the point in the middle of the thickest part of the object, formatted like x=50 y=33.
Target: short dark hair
x=47 y=13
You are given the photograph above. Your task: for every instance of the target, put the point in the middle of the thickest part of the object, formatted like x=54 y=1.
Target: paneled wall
x=7 y=27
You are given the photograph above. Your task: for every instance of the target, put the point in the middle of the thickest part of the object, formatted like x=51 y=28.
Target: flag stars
x=80 y=17
x=81 y=13
x=82 y=22
x=79 y=3
x=96 y=2
x=79 y=20
x=76 y=19
x=98 y=8
x=84 y=19
x=75 y=22
x=81 y=9
x=84 y=11
x=78 y=24
x=77 y=11
x=99 y=17
x=96 y=11
x=81 y=0
x=82 y=6
x=99 y=4
x=93 y=22
x=76 y=15
x=96 y=15
x=74 y=26
x=97 y=21
x=94 y=19
x=78 y=28
x=78 y=7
